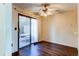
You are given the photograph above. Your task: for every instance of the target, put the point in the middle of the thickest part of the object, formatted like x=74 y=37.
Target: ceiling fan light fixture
x=45 y=11
x=43 y=14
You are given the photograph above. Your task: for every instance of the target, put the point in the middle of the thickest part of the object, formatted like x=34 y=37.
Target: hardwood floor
x=48 y=49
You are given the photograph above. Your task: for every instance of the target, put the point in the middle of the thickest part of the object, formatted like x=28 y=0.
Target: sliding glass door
x=34 y=30
x=24 y=31
x=28 y=31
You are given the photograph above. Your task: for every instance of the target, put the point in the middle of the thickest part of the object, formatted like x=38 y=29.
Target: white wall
x=15 y=24
x=15 y=33
x=8 y=13
x=5 y=29
x=78 y=28
x=61 y=28
x=2 y=29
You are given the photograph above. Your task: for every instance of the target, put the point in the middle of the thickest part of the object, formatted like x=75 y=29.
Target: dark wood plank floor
x=48 y=49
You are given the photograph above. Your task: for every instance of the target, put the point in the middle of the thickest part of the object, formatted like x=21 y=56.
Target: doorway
x=28 y=31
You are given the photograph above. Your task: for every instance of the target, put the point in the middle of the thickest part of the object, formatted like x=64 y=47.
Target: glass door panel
x=34 y=30
x=24 y=31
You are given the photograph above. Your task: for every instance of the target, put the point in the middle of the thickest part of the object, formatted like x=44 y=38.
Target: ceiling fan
x=48 y=9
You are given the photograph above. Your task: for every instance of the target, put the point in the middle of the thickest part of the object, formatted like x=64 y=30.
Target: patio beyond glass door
x=24 y=31
x=28 y=31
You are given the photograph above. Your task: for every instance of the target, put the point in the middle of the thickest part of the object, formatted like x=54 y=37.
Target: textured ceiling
x=34 y=7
